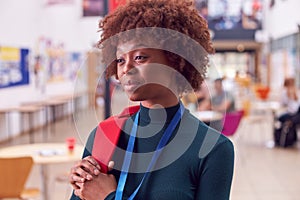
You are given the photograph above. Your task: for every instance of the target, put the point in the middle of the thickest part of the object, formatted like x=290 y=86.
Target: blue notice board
x=14 y=67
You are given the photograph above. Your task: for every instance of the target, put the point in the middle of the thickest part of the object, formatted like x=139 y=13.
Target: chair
x=14 y=173
x=231 y=121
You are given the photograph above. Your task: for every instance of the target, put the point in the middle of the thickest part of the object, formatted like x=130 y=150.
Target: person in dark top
x=222 y=100
x=158 y=49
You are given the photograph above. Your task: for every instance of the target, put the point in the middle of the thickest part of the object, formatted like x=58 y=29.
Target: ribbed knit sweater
x=197 y=163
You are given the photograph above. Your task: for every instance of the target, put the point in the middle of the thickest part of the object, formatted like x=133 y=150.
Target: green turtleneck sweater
x=197 y=163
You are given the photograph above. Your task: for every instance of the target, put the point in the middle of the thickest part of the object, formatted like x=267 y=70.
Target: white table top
x=44 y=153
x=207 y=116
x=267 y=105
x=23 y=108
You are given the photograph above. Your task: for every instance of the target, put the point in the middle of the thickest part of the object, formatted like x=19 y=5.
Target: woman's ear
x=117 y=80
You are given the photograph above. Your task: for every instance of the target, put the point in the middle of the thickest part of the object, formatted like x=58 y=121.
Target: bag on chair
x=286 y=135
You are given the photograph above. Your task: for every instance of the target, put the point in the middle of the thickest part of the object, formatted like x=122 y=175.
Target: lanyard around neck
x=128 y=155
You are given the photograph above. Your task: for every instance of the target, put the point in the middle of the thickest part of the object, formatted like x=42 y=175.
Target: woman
x=163 y=151
x=290 y=100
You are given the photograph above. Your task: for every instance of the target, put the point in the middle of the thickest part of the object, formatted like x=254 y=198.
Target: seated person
x=290 y=100
x=296 y=118
x=203 y=98
x=222 y=101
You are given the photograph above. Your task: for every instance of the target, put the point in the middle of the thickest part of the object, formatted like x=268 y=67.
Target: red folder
x=107 y=136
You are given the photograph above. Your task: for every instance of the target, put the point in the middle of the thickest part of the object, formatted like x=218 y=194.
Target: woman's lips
x=131 y=85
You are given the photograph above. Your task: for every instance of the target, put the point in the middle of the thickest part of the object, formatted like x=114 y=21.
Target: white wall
x=283 y=19
x=18 y=22
x=23 y=22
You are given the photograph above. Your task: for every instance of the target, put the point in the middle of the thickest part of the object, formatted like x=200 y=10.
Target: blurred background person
x=289 y=100
x=203 y=98
x=222 y=101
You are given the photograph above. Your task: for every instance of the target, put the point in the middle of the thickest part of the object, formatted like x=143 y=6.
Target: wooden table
x=6 y=111
x=23 y=110
x=208 y=116
x=50 y=103
x=29 y=111
x=274 y=106
x=44 y=154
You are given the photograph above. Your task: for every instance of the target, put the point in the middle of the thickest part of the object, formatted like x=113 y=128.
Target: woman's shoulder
x=214 y=142
x=208 y=139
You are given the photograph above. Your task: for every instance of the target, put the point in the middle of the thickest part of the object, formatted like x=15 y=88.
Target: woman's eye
x=140 y=57
x=119 y=60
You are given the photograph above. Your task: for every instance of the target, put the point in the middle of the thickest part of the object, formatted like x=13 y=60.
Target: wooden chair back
x=13 y=175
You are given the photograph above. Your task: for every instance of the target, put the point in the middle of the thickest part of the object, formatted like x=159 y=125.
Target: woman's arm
x=216 y=178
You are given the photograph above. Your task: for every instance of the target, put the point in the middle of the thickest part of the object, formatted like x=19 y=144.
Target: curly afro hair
x=177 y=15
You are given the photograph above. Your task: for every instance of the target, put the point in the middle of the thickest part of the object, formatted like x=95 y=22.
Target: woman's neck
x=158 y=115
x=168 y=102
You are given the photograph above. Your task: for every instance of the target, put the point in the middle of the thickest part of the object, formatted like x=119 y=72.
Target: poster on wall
x=13 y=67
x=94 y=8
x=74 y=62
x=64 y=67
x=52 y=63
x=232 y=19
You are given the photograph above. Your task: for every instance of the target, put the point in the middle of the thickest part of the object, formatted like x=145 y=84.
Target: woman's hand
x=83 y=171
x=97 y=188
x=88 y=182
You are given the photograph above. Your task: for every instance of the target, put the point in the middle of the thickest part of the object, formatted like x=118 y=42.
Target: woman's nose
x=129 y=67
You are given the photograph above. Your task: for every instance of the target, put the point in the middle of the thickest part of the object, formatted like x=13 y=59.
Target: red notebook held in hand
x=107 y=136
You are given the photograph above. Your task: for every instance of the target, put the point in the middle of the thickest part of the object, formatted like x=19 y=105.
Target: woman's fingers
x=111 y=165
x=79 y=185
x=91 y=164
x=85 y=169
x=75 y=178
x=86 y=166
x=82 y=172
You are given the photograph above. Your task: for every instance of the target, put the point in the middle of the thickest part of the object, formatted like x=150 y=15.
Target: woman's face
x=145 y=74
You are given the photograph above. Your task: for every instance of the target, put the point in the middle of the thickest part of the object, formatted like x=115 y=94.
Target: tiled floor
x=261 y=173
